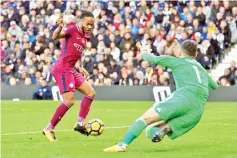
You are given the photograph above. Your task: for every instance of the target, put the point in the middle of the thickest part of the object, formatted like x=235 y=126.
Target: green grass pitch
x=214 y=137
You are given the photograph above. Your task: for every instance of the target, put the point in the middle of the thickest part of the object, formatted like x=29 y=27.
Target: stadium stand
x=112 y=55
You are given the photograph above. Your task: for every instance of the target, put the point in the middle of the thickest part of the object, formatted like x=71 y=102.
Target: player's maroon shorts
x=67 y=80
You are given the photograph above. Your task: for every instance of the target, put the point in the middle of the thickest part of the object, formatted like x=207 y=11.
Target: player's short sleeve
x=212 y=83
x=69 y=30
x=163 y=60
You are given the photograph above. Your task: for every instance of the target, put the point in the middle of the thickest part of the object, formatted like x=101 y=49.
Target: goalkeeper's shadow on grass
x=153 y=150
x=159 y=148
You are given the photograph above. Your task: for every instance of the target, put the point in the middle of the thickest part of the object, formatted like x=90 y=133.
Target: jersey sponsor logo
x=161 y=93
x=78 y=47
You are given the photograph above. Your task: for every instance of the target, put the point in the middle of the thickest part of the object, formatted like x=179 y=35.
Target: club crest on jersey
x=83 y=41
x=71 y=85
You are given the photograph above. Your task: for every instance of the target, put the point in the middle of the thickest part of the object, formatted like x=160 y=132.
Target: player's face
x=88 y=24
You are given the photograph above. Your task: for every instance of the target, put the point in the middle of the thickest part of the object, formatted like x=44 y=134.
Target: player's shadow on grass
x=156 y=149
x=164 y=149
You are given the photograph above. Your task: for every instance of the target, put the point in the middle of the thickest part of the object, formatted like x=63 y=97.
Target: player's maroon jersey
x=72 y=47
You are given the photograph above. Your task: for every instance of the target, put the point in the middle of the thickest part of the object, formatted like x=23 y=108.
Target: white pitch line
x=65 y=130
x=107 y=110
x=116 y=127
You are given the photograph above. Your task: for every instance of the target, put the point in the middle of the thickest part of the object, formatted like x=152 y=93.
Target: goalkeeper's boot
x=50 y=135
x=159 y=135
x=80 y=127
x=116 y=148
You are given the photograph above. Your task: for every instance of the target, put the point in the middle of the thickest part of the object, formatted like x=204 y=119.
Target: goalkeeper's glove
x=145 y=49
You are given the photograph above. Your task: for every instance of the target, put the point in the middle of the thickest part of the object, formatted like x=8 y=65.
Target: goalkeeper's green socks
x=133 y=132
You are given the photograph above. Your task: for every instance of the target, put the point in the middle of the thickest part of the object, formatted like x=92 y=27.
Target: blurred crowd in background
x=112 y=55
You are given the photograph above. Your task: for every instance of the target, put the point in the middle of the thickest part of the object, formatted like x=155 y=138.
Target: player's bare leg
x=89 y=94
x=135 y=130
x=157 y=131
x=59 y=113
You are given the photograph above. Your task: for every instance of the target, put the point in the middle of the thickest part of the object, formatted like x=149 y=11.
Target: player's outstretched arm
x=212 y=83
x=57 y=34
x=151 y=58
x=146 y=54
x=164 y=60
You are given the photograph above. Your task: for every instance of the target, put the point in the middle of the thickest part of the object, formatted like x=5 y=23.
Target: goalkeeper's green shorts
x=182 y=110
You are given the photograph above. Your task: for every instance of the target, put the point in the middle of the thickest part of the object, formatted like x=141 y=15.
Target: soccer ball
x=95 y=127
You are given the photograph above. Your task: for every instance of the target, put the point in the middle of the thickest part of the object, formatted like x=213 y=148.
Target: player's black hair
x=86 y=14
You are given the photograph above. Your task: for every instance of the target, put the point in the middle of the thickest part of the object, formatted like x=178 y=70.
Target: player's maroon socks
x=60 y=111
x=85 y=107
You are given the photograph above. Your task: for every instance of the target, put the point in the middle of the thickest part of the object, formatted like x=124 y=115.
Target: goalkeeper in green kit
x=183 y=109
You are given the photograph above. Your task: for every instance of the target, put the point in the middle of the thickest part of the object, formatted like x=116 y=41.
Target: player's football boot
x=116 y=148
x=81 y=129
x=159 y=135
x=50 y=135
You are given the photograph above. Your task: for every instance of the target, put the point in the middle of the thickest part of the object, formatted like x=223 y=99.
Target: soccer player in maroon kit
x=67 y=78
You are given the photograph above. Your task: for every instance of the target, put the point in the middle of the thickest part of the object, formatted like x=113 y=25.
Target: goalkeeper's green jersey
x=187 y=72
